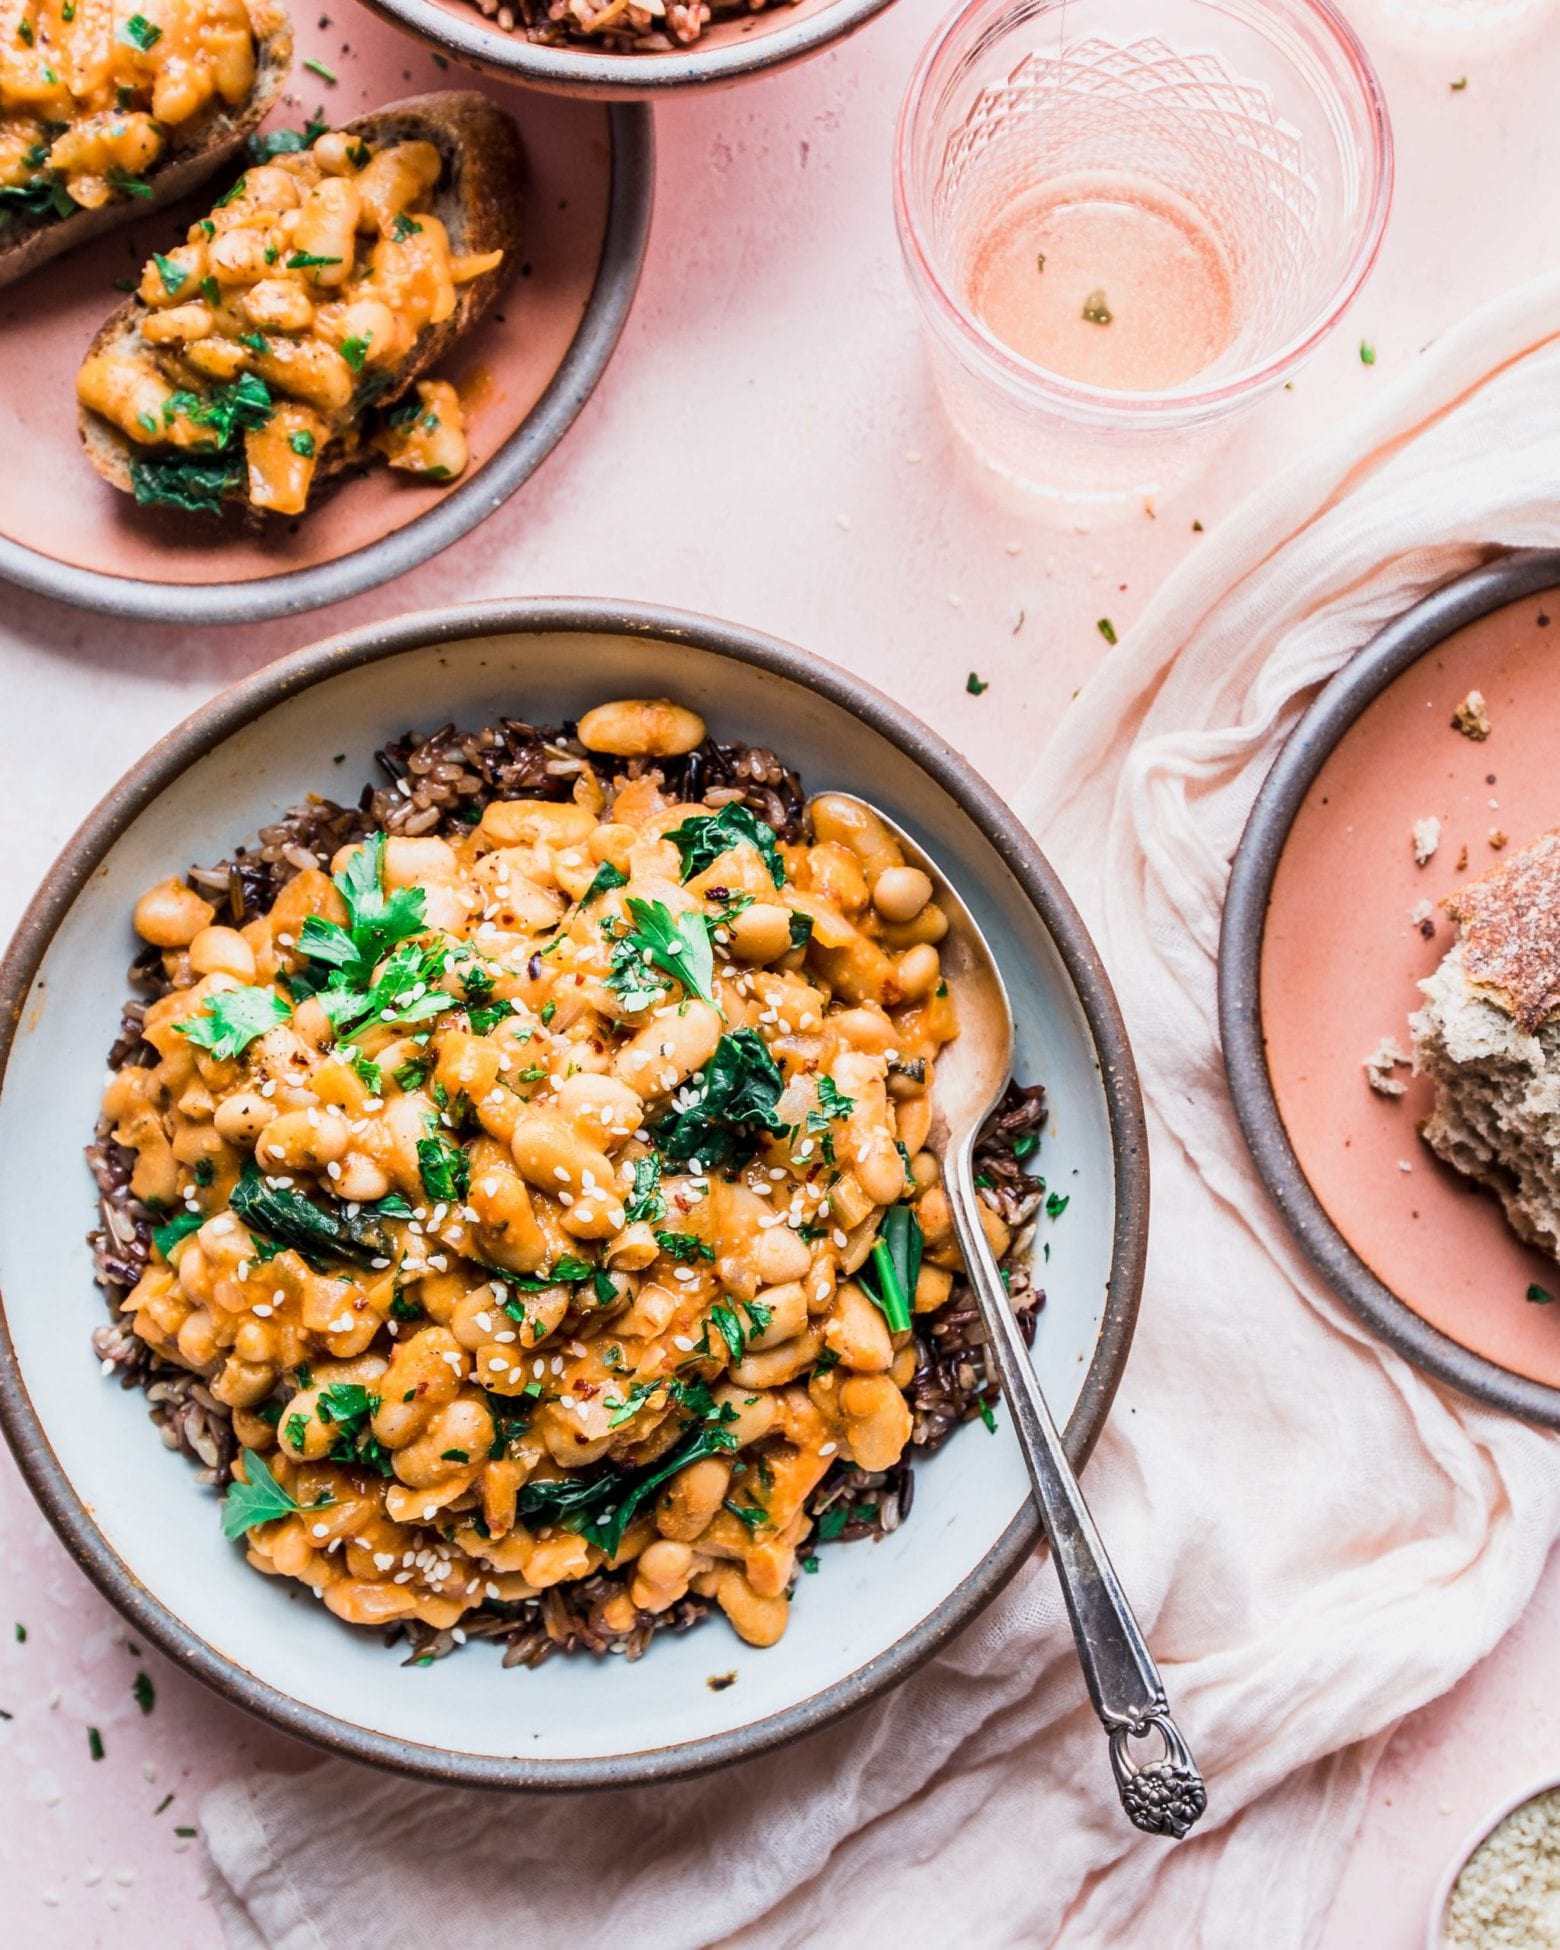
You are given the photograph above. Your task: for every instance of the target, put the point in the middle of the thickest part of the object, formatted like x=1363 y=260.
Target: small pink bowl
x=1435 y=1937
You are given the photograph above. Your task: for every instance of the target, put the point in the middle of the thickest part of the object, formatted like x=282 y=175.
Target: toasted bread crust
x=1510 y=923
x=478 y=199
x=197 y=151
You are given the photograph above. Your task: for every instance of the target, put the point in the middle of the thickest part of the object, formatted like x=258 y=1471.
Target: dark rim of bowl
x=456 y=513
x=1419 y=631
x=248 y=700
x=627 y=77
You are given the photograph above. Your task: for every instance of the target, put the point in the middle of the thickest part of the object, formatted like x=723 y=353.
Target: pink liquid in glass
x=1109 y=281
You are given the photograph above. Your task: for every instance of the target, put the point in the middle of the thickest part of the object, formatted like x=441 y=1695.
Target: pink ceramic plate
x=524 y=371
x=1320 y=960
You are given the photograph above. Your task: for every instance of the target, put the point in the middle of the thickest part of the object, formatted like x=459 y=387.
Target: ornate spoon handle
x=1163 y=1793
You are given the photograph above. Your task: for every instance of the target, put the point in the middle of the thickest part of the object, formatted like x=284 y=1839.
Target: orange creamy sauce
x=457 y=1326
x=308 y=287
x=91 y=92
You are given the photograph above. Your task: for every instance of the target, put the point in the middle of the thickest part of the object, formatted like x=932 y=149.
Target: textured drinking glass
x=1231 y=159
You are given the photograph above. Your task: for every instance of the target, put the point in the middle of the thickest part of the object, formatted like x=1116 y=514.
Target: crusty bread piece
x=196 y=150
x=478 y=199
x=1489 y=1037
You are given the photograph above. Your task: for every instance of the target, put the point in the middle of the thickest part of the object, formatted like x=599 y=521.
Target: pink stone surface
x=766 y=446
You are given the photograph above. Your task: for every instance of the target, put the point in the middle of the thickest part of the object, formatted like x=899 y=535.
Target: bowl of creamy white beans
x=482 y=1295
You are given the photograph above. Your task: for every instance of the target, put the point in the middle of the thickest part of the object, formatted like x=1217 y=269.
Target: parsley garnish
x=702 y=839
x=128 y=185
x=355 y=351
x=302 y=442
x=319 y=68
x=230 y=1020
x=286 y=142
x=645 y=1200
x=801 y=929
x=307 y=261
x=140 y=32
x=259 y=1500
x=445 y=1168
x=684 y=1246
x=144 y=1691
x=679 y=945
x=976 y=685
x=348 y=1408
x=1107 y=629
x=404 y=227
x=173 y=275
x=1539 y=1295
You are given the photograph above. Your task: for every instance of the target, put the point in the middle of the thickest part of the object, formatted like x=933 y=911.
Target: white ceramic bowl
x=126 y=1506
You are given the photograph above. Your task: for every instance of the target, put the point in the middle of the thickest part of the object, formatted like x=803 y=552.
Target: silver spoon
x=1164 y=1794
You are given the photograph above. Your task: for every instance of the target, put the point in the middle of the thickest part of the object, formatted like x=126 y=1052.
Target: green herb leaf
x=1540 y=1296
x=307 y=261
x=355 y=351
x=404 y=227
x=644 y=1200
x=260 y=1500
x=145 y=1693
x=702 y=839
x=1367 y=353
x=445 y=1168
x=1107 y=629
x=140 y=32
x=731 y=1331
x=801 y=929
x=165 y=1238
x=976 y=685
x=679 y=945
x=173 y=275
x=684 y=1246
x=328 y=1230
x=896 y=1264
x=128 y=185
x=189 y=482
x=736 y=1103
x=286 y=142
x=230 y=1020
x=319 y=68
x=601 y=1508
x=606 y=878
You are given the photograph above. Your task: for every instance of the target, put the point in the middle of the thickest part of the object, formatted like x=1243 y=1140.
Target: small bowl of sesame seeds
x=1503 y=1890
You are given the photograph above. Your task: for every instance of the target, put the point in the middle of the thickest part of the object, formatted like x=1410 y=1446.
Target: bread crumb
x=1423 y=917
x=1462 y=860
x=1379 y=1065
x=1427 y=837
x=1471 y=718
x=1497 y=838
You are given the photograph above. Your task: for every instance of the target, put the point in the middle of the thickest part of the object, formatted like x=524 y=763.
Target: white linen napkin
x=1299 y=1610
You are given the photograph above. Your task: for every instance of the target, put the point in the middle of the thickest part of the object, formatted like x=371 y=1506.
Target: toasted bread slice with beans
x=260 y=355
x=39 y=217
